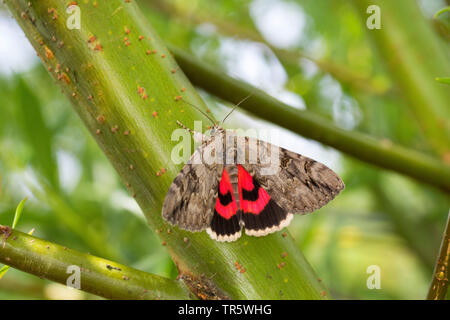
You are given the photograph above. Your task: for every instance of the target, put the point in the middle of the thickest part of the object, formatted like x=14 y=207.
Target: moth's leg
x=198 y=136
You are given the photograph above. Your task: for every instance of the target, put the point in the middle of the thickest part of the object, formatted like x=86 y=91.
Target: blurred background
x=315 y=55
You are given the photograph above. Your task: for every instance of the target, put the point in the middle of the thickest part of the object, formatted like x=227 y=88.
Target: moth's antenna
x=234 y=108
x=201 y=111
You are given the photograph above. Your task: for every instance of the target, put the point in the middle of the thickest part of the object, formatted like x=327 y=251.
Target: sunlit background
x=313 y=55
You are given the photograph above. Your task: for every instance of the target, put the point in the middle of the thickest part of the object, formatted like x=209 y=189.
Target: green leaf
x=445 y=80
x=3 y=271
x=18 y=213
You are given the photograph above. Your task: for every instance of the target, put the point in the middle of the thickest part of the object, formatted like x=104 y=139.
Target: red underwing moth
x=233 y=182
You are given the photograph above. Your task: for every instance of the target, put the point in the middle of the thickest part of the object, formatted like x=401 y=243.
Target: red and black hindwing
x=261 y=215
x=225 y=223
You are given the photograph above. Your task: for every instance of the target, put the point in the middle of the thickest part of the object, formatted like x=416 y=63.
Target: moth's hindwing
x=261 y=215
x=300 y=185
x=225 y=224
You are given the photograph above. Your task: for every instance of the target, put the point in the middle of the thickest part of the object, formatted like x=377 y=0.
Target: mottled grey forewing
x=189 y=203
x=300 y=185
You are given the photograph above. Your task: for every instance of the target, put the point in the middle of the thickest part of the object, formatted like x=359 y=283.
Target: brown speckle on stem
x=48 y=53
x=98 y=47
x=110 y=267
x=101 y=119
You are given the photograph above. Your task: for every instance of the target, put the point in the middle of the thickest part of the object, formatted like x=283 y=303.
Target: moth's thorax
x=233 y=174
x=217 y=130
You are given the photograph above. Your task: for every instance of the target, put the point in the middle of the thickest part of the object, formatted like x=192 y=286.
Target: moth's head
x=217 y=129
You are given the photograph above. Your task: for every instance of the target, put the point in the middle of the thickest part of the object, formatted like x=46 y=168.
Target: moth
x=226 y=187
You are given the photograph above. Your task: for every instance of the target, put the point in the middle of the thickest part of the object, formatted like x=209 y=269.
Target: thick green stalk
x=99 y=276
x=415 y=56
x=381 y=153
x=129 y=92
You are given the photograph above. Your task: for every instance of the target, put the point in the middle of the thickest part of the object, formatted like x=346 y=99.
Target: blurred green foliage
x=382 y=218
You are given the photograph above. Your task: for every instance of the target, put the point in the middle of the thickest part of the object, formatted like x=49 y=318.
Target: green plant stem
x=129 y=92
x=381 y=153
x=443 y=10
x=415 y=56
x=99 y=276
x=439 y=283
x=192 y=18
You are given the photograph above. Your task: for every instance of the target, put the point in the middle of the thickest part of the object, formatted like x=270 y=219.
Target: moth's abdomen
x=233 y=174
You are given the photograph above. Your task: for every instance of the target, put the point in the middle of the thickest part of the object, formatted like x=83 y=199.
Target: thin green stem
x=99 y=276
x=439 y=12
x=363 y=147
x=192 y=18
